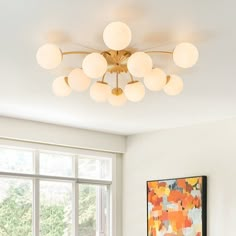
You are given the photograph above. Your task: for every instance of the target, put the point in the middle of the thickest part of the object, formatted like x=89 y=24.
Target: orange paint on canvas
x=154 y=232
x=157 y=208
x=175 y=196
x=150 y=195
x=164 y=216
x=197 y=202
x=181 y=183
x=156 y=200
x=187 y=201
x=188 y=223
x=152 y=185
x=151 y=222
x=162 y=184
x=189 y=188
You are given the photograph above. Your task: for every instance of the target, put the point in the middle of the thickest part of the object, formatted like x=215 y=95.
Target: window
x=15 y=207
x=51 y=193
x=55 y=208
x=92 y=206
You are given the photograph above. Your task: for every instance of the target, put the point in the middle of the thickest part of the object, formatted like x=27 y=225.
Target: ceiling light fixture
x=117 y=37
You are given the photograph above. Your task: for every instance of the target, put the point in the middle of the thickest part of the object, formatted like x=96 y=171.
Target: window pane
x=93 y=210
x=95 y=168
x=55 y=208
x=15 y=207
x=55 y=164
x=16 y=160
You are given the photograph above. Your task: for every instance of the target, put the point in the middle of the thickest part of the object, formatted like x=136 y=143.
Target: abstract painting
x=177 y=207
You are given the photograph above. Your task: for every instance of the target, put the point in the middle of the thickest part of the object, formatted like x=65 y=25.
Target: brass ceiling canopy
x=117 y=61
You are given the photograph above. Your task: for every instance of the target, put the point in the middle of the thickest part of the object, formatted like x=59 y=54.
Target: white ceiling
x=209 y=93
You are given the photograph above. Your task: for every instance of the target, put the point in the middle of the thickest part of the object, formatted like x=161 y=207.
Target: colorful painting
x=177 y=207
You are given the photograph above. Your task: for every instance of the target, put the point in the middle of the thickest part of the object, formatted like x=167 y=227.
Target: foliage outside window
x=63 y=187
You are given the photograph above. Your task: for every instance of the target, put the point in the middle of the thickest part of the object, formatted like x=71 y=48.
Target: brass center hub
x=117 y=60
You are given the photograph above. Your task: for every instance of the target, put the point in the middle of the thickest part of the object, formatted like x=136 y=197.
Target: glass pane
x=95 y=168
x=93 y=210
x=16 y=160
x=15 y=207
x=55 y=164
x=55 y=208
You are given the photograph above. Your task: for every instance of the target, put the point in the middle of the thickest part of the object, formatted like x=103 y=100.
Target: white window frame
x=36 y=148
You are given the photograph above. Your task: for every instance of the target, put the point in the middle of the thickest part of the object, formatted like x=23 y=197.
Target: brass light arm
x=106 y=53
x=76 y=52
x=131 y=78
x=159 y=52
x=117 y=80
x=117 y=91
x=103 y=77
x=127 y=54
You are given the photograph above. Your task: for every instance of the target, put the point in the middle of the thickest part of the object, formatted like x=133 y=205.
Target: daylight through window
x=45 y=193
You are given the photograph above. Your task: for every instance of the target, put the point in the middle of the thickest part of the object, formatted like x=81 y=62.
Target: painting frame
x=203 y=200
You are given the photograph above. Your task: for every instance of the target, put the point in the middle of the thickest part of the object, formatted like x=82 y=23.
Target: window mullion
x=75 y=199
x=36 y=195
x=98 y=212
x=109 y=214
x=99 y=202
x=112 y=201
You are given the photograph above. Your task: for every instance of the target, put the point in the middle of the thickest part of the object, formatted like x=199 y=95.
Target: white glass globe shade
x=117 y=100
x=117 y=36
x=155 y=80
x=49 y=56
x=78 y=80
x=100 y=91
x=60 y=87
x=139 y=64
x=174 y=86
x=94 y=65
x=135 y=91
x=185 y=55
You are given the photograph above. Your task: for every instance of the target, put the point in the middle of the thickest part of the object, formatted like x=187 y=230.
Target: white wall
x=24 y=130
x=198 y=150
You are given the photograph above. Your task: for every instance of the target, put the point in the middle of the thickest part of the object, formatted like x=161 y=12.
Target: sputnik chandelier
x=117 y=59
